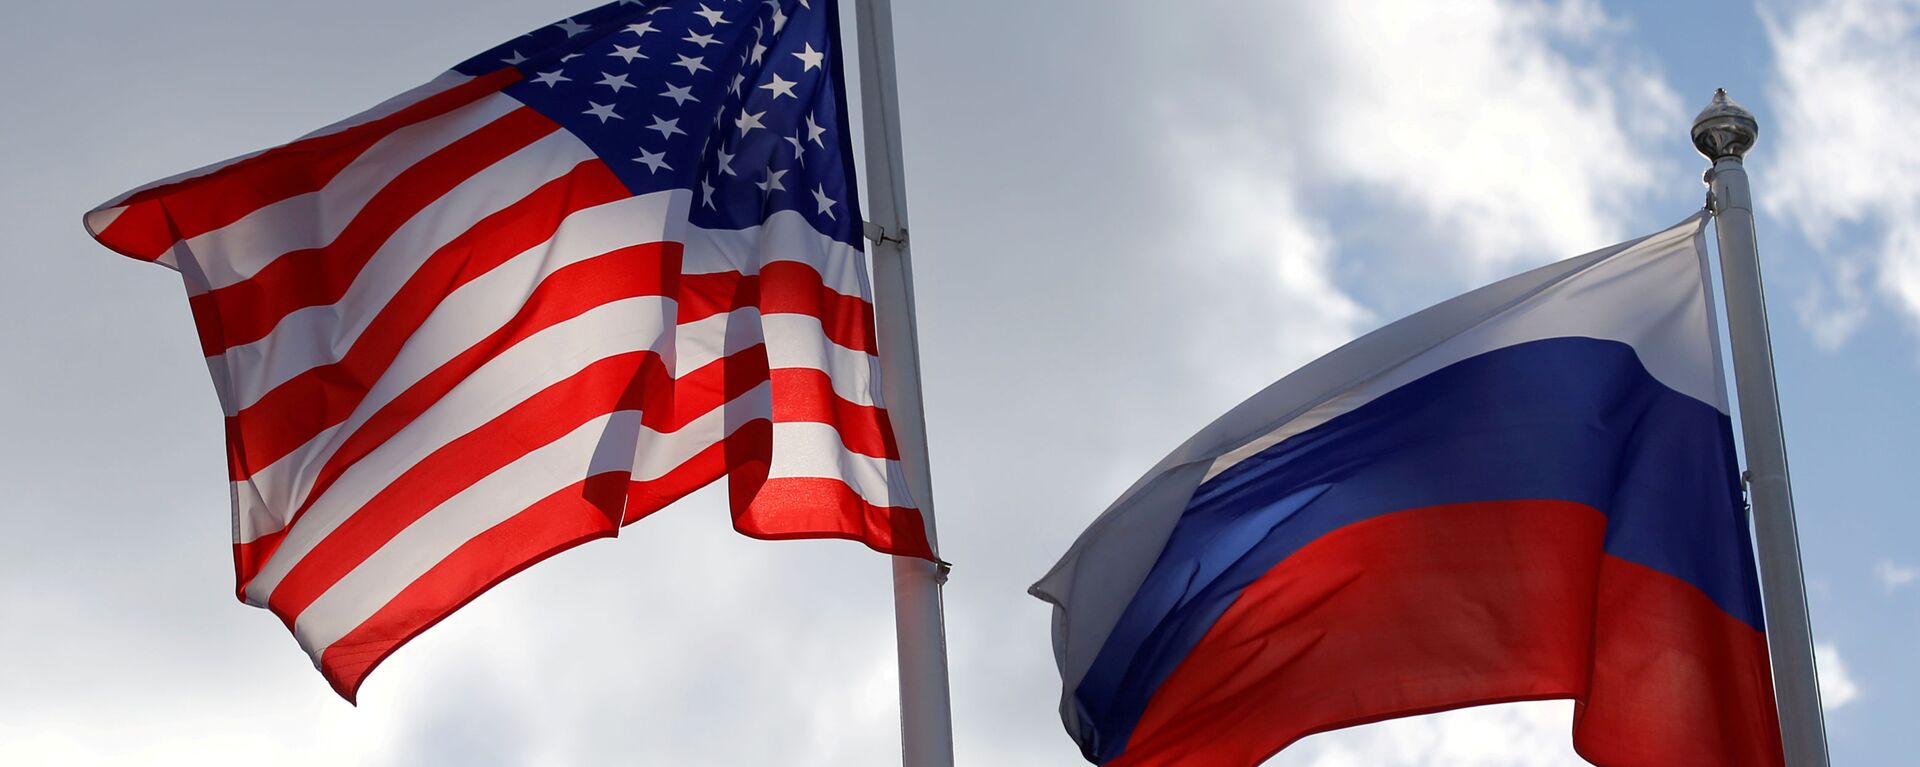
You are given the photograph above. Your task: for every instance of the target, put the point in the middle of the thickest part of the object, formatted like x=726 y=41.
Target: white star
x=666 y=127
x=772 y=183
x=700 y=40
x=810 y=57
x=602 y=111
x=759 y=50
x=641 y=28
x=653 y=160
x=692 y=63
x=627 y=53
x=821 y=199
x=714 y=18
x=571 y=27
x=551 y=79
x=814 y=131
x=779 y=18
x=515 y=60
x=803 y=4
x=726 y=163
x=780 y=87
x=680 y=94
x=569 y=57
x=747 y=122
x=738 y=80
x=616 y=82
x=706 y=193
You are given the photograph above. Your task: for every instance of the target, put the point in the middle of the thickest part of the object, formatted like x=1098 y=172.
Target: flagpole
x=926 y=711
x=1724 y=132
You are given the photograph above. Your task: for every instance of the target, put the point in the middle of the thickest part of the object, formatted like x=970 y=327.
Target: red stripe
x=156 y=218
x=807 y=395
x=324 y=396
x=782 y=287
x=246 y=311
x=787 y=508
x=1443 y=607
x=777 y=509
x=631 y=381
x=812 y=507
x=249 y=557
x=791 y=287
x=567 y=518
x=1676 y=680
x=572 y=290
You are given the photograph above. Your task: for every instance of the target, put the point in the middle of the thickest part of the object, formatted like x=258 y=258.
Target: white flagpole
x=926 y=712
x=1724 y=132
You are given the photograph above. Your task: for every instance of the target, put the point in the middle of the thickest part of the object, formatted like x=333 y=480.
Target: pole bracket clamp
x=880 y=235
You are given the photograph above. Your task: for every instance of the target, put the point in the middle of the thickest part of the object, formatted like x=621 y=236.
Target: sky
x=1127 y=217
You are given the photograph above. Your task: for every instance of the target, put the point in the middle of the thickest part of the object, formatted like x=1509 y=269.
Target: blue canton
x=737 y=102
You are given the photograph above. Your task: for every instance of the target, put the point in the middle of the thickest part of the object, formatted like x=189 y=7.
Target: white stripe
x=604 y=444
x=1651 y=297
x=103 y=214
x=263 y=503
x=239 y=250
x=316 y=336
x=324 y=333
x=799 y=341
x=803 y=449
x=786 y=236
x=534 y=364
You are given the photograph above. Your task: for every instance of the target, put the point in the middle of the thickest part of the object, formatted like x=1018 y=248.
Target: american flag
x=577 y=277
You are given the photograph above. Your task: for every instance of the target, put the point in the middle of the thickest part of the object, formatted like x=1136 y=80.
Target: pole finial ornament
x=1724 y=128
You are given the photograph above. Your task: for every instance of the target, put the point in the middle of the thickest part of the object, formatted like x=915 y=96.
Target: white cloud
x=1535 y=734
x=1837 y=687
x=1844 y=98
x=1272 y=298
x=1836 y=305
x=1893 y=576
x=1472 y=122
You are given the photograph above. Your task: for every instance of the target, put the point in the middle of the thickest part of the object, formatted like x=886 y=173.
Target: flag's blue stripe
x=1570 y=419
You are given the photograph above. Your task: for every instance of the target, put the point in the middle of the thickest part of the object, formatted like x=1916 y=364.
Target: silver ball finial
x=1724 y=128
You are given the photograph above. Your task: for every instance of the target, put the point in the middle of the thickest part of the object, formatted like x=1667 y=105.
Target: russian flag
x=1526 y=492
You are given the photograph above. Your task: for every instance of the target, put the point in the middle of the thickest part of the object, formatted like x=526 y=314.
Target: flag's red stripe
x=777 y=509
x=791 y=287
x=805 y=394
x=642 y=270
x=785 y=508
x=1675 y=678
x=572 y=290
x=1449 y=606
x=324 y=396
x=632 y=381
x=246 y=311
x=579 y=514
x=782 y=287
x=567 y=518
x=157 y=218
x=750 y=439
x=252 y=555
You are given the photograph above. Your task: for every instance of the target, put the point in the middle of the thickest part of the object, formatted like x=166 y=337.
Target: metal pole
x=1724 y=132
x=926 y=713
